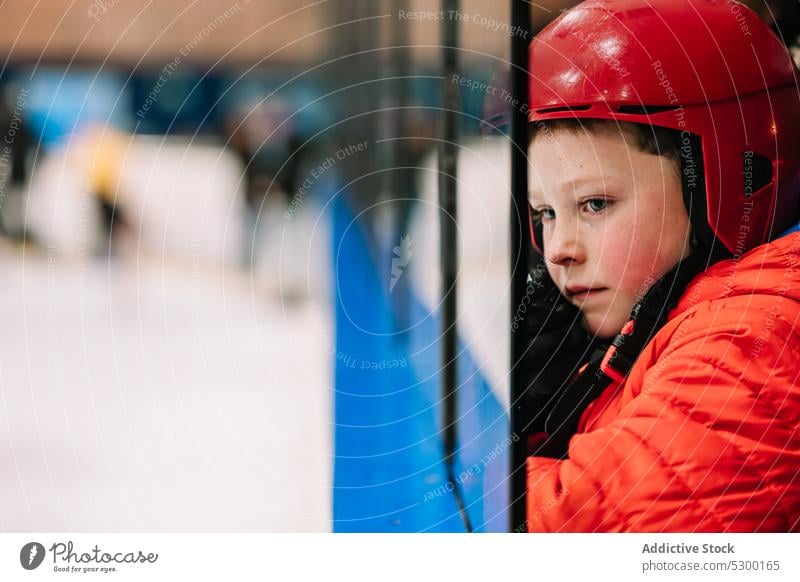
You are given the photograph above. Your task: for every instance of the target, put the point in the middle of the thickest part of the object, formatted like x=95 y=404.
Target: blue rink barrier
x=389 y=474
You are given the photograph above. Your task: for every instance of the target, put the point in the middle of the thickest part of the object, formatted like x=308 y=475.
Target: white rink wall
x=483 y=277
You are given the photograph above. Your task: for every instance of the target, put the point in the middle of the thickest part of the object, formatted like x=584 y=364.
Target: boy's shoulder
x=735 y=322
x=767 y=276
x=747 y=308
x=739 y=343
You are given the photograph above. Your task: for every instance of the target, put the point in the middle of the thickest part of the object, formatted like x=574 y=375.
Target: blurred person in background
x=15 y=151
x=101 y=151
x=263 y=137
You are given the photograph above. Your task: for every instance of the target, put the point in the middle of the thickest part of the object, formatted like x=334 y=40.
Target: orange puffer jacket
x=704 y=433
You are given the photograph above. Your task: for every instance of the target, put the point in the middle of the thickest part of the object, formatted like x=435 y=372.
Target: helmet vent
x=566 y=108
x=756 y=171
x=646 y=109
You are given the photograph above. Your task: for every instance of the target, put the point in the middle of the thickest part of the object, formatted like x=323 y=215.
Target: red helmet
x=710 y=68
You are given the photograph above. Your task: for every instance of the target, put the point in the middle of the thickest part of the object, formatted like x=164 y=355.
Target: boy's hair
x=651 y=139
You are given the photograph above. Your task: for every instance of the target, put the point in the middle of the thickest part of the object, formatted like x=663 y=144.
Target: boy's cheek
x=629 y=268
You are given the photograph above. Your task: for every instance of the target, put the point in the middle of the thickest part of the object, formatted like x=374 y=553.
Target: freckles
x=617 y=250
x=616 y=267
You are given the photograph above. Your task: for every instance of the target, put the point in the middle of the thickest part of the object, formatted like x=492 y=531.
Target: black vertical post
x=401 y=183
x=520 y=250
x=449 y=242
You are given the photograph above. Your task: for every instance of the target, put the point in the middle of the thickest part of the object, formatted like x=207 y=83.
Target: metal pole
x=449 y=243
x=520 y=251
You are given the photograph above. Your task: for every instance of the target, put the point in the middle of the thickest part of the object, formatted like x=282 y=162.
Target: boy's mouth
x=580 y=293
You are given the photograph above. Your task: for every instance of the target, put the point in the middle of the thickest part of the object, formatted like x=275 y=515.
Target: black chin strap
x=705 y=243
x=612 y=365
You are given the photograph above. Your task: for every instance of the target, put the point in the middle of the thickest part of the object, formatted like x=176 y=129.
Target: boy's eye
x=543 y=214
x=596 y=204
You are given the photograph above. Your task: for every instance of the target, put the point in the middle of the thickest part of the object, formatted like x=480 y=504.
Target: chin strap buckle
x=627 y=345
x=609 y=365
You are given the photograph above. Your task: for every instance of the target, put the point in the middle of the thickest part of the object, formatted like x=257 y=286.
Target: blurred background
x=220 y=264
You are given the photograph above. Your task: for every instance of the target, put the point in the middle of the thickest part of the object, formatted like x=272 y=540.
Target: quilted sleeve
x=710 y=442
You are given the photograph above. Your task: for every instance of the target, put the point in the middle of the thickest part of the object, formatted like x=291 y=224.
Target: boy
x=665 y=165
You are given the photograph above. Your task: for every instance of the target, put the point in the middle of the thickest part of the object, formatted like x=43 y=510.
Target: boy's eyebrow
x=576 y=183
x=582 y=181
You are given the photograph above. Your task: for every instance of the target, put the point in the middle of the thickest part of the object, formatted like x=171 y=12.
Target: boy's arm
x=709 y=444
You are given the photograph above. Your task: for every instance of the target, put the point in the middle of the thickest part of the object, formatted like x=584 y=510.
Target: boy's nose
x=563 y=252
x=562 y=259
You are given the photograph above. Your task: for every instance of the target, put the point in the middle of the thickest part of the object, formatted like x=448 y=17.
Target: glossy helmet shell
x=711 y=68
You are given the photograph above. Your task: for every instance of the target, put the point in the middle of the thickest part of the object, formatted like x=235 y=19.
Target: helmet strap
x=704 y=242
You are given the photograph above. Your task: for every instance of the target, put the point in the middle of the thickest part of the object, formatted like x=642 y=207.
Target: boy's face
x=613 y=218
